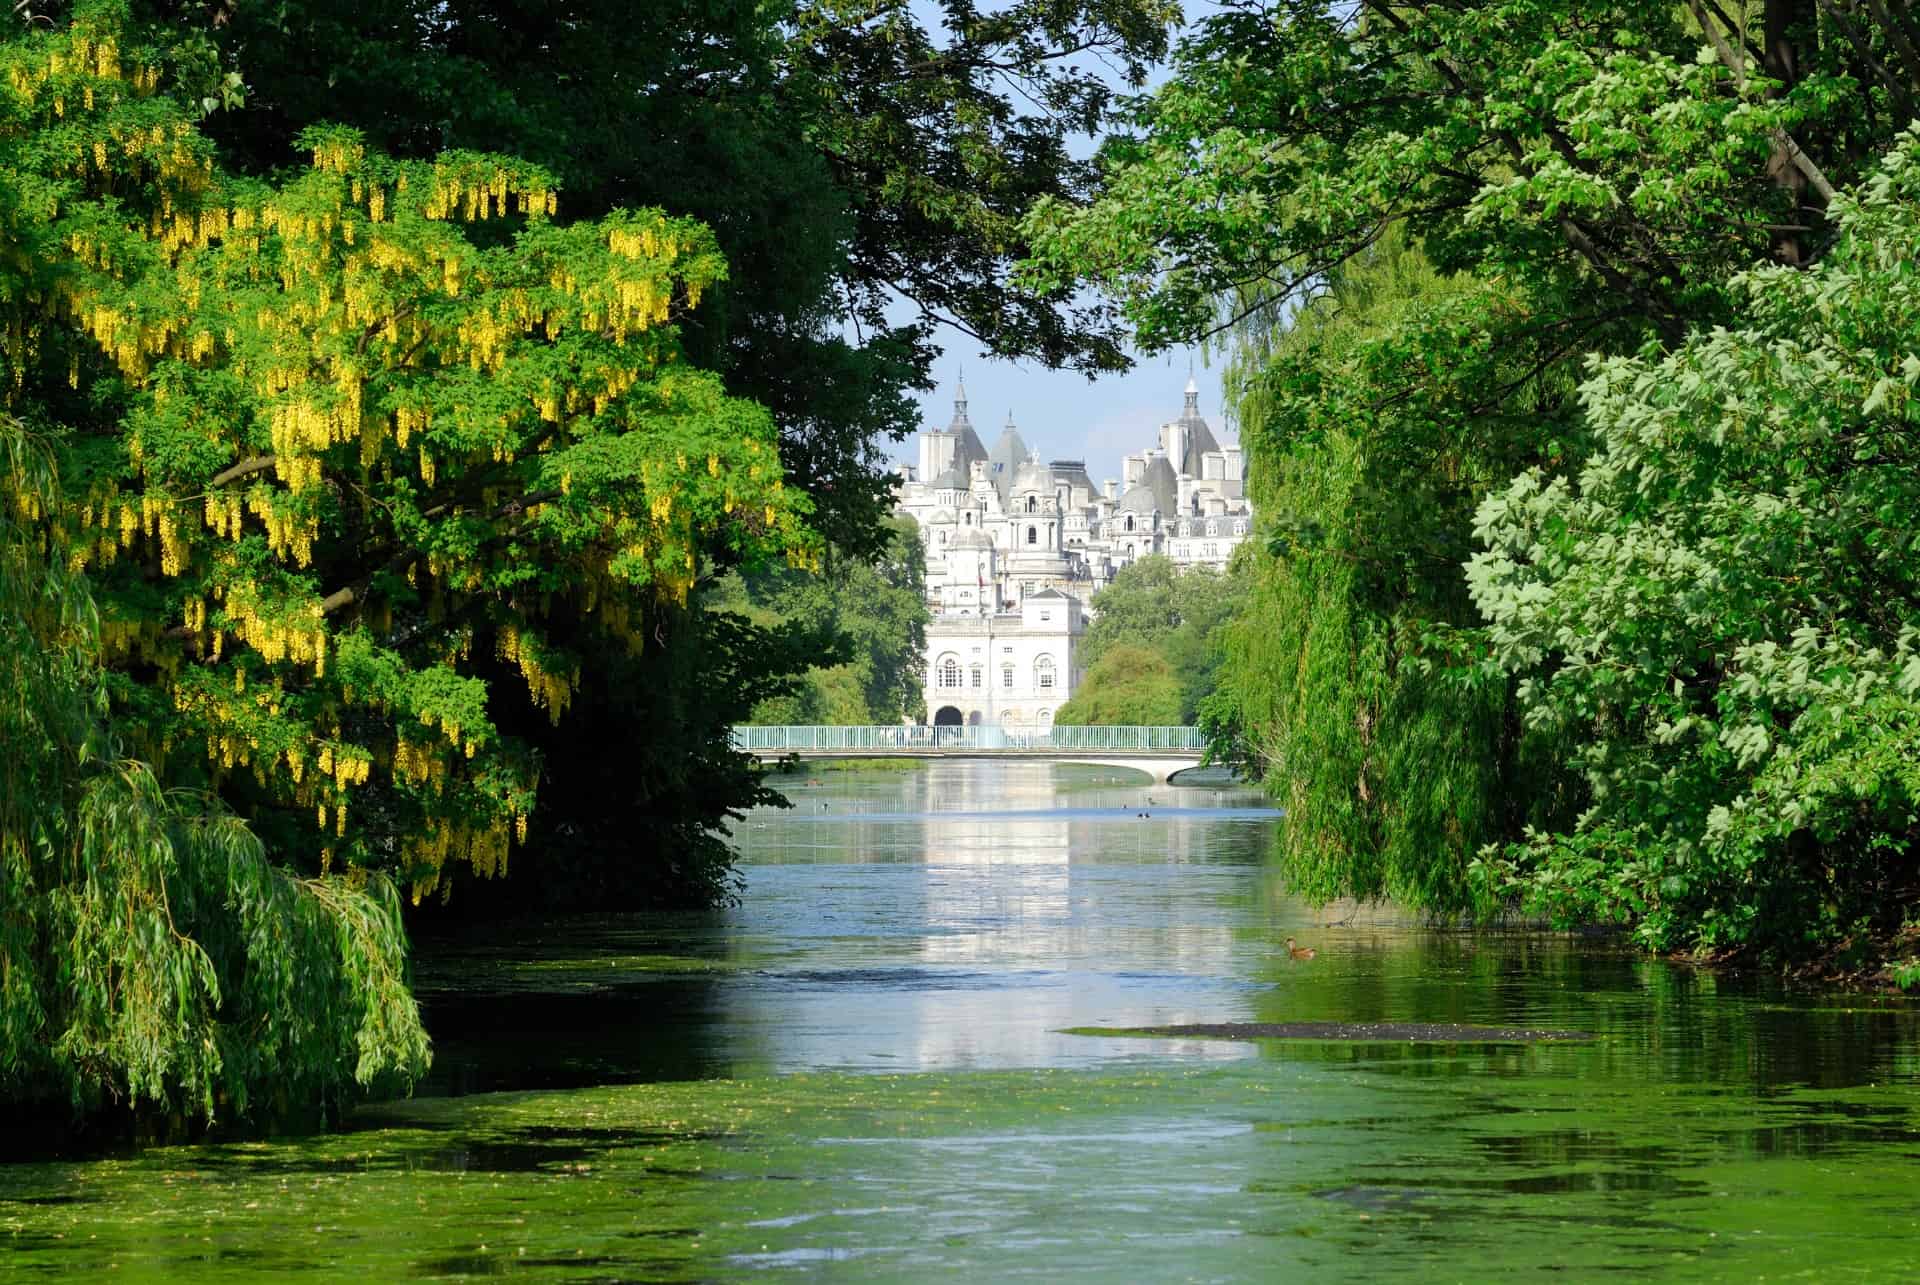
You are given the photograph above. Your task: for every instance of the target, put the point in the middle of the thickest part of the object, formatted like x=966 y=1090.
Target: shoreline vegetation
x=1581 y=448
x=451 y=430
x=812 y=766
x=423 y=440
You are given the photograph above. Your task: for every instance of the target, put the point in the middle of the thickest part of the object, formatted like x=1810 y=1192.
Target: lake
x=865 y=1071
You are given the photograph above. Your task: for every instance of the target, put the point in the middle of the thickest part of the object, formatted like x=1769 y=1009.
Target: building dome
x=1139 y=499
x=1032 y=475
x=1008 y=454
x=971 y=538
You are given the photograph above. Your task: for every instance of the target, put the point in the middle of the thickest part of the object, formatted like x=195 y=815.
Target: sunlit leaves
x=356 y=425
x=1718 y=614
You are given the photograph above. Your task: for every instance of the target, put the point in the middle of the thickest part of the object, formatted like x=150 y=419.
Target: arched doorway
x=974 y=719
x=947 y=716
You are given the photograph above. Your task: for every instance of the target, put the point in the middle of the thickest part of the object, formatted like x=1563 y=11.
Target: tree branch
x=245 y=468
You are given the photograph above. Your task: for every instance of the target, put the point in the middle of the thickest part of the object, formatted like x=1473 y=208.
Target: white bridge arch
x=1161 y=752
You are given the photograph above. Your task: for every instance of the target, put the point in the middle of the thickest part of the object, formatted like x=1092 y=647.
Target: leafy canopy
x=343 y=438
x=1719 y=611
x=1130 y=686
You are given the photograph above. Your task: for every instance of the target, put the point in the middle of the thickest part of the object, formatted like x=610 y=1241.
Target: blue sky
x=1063 y=415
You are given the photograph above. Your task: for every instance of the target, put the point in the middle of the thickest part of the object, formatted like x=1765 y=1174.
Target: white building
x=1004 y=669
x=1015 y=548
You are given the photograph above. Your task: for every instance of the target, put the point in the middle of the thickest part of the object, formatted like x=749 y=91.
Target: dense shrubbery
x=1719 y=613
x=1128 y=686
x=1677 y=688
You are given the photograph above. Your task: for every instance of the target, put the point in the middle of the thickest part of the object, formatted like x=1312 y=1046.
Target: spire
x=1193 y=394
x=960 y=420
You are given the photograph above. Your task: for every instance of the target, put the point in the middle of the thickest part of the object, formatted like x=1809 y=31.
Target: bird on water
x=1299 y=952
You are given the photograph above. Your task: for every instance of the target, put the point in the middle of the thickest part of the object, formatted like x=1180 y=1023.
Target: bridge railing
x=905 y=738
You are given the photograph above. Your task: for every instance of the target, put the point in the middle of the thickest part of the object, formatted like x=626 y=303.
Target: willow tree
x=1572 y=176
x=152 y=957
x=342 y=446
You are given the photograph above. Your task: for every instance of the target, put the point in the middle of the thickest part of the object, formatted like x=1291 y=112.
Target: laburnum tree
x=341 y=445
x=155 y=960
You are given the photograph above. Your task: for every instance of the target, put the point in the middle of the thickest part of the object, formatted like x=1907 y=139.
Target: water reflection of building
x=964 y=914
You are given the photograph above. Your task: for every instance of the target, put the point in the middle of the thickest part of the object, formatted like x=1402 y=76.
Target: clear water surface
x=861 y=1073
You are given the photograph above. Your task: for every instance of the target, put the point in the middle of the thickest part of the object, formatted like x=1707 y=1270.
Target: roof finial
x=1193 y=390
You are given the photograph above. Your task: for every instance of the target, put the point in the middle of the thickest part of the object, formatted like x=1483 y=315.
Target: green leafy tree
x=872 y=620
x=1410 y=222
x=152 y=958
x=1130 y=686
x=1720 y=611
x=1173 y=610
x=347 y=449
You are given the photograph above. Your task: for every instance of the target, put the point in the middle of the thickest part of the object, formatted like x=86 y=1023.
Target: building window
x=1046 y=615
x=1006 y=677
x=1129 y=522
x=976 y=676
x=1033 y=535
x=949 y=672
x=1043 y=673
x=1033 y=502
x=1213 y=528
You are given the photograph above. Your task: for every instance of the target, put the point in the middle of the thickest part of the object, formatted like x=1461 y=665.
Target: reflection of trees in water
x=1659 y=1022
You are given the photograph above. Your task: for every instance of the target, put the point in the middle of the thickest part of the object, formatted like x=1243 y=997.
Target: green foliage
x=1363 y=413
x=347 y=438
x=1719 y=613
x=1170 y=610
x=1440 y=210
x=1129 y=686
x=875 y=616
x=842 y=158
x=849 y=155
x=151 y=956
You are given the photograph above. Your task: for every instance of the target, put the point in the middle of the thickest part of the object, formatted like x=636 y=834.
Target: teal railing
x=906 y=738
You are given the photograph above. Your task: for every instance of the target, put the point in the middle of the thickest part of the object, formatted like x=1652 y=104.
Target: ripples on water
x=860 y=1072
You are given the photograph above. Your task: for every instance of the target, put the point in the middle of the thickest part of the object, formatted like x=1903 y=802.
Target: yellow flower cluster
x=288 y=534
x=297 y=424
x=484 y=849
x=299 y=636
x=223 y=512
x=338 y=155
x=419 y=765
x=550 y=691
x=467 y=196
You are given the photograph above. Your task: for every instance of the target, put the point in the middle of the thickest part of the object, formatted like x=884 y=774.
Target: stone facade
x=1004 y=669
x=1016 y=548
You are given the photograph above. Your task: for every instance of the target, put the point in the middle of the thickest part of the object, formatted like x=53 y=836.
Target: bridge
x=1161 y=752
